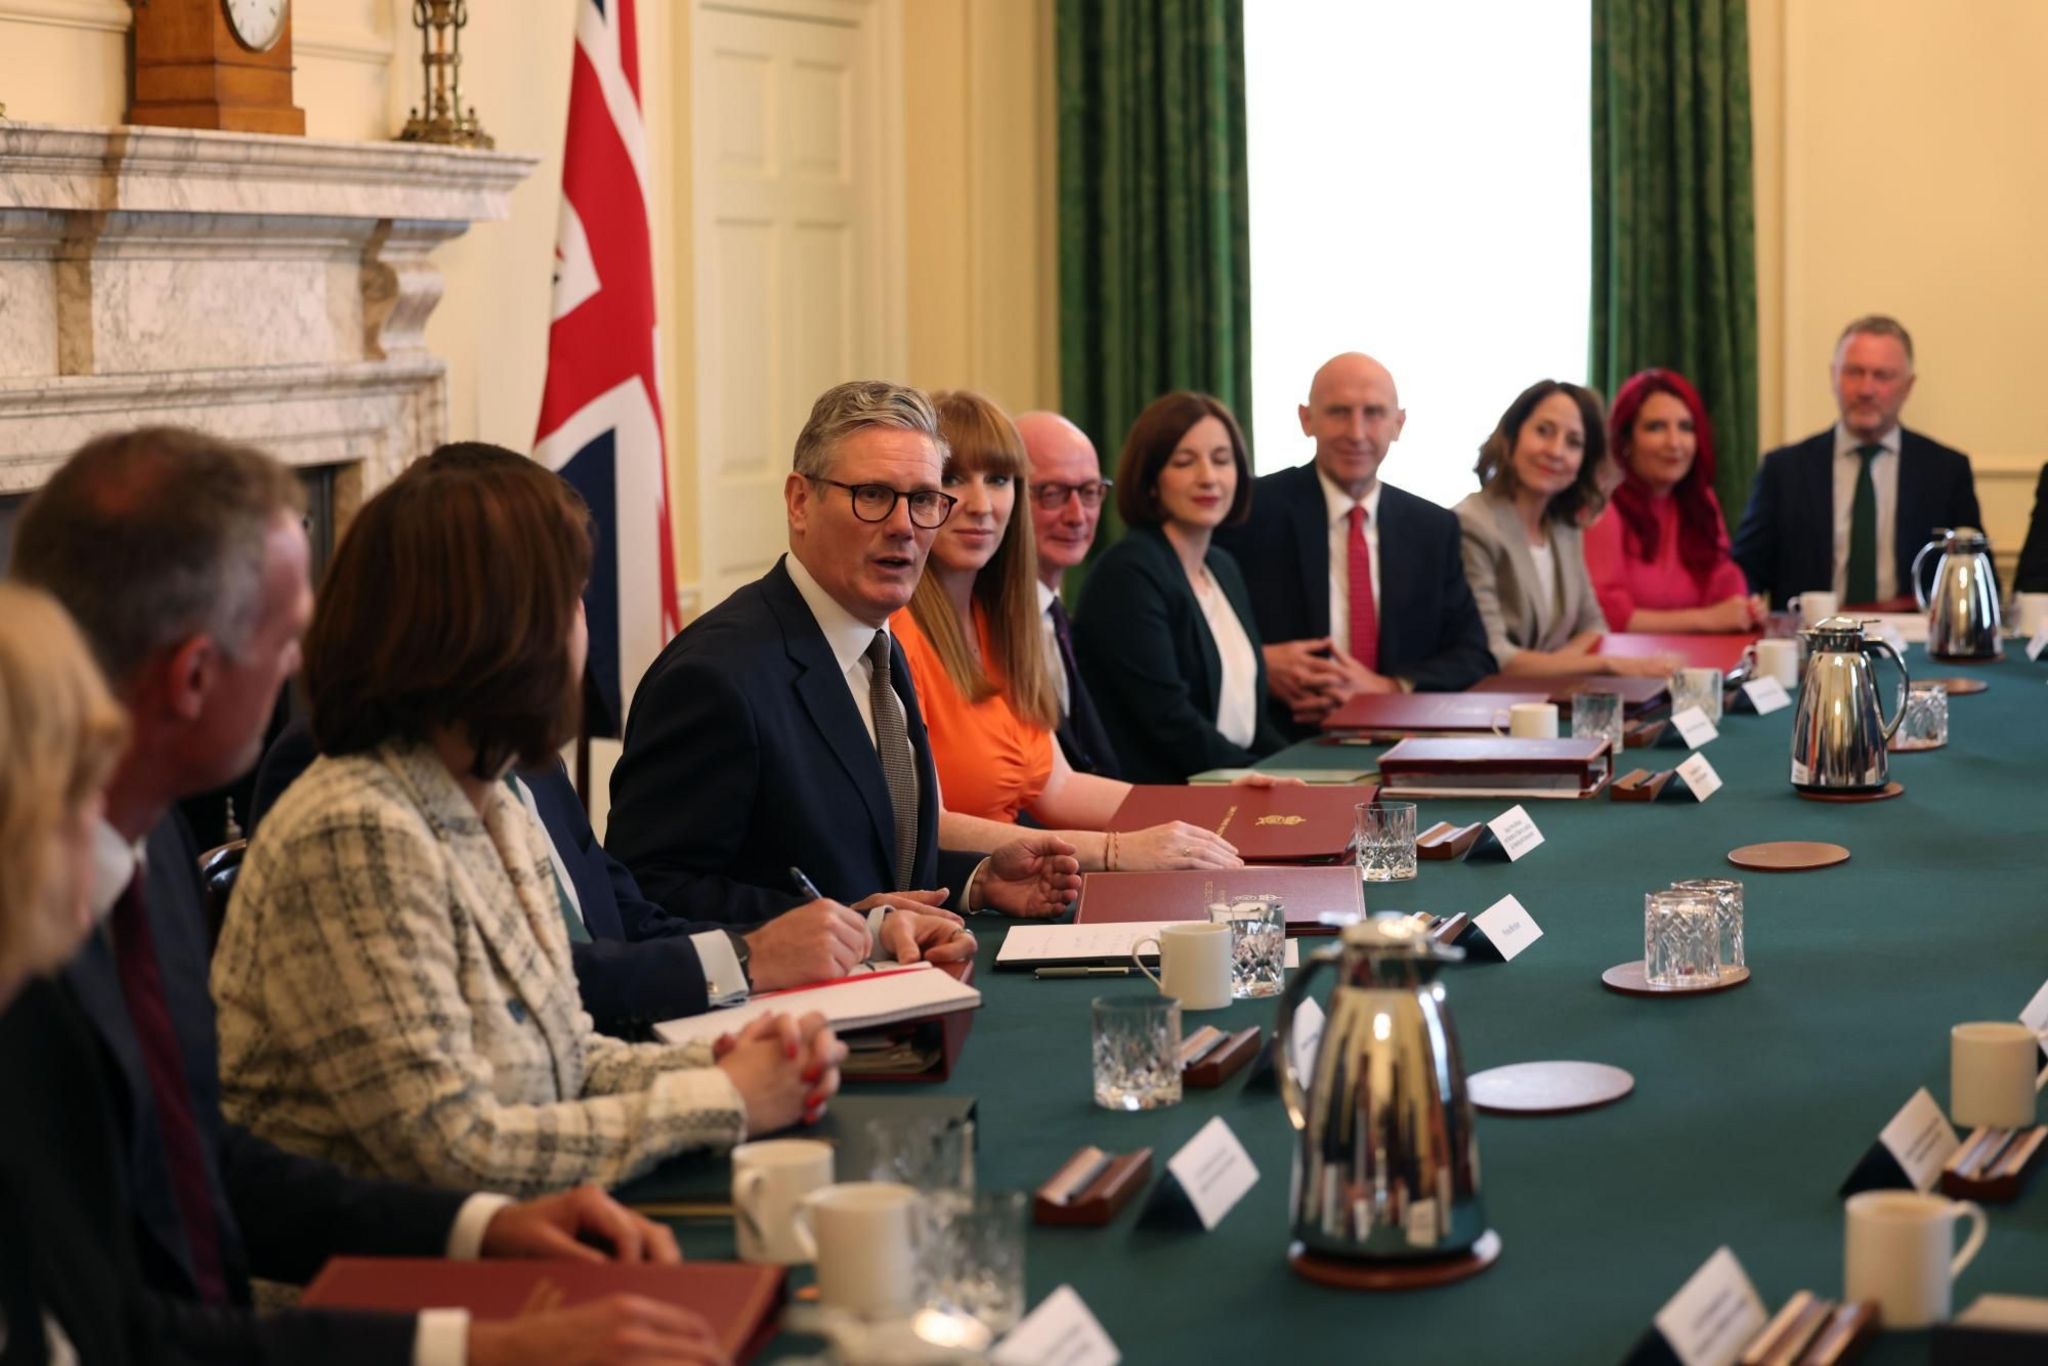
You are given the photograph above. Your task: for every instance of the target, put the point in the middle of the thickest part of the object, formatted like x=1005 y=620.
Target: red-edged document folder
x=1427 y=713
x=1638 y=695
x=1721 y=652
x=741 y=1302
x=1317 y=900
x=1494 y=767
x=1292 y=823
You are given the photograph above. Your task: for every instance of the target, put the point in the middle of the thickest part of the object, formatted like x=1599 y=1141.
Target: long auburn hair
x=1699 y=516
x=981 y=439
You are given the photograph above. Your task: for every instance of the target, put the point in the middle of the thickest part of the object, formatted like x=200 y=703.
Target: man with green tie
x=1848 y=508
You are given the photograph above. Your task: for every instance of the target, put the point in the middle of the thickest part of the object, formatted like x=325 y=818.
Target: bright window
x=1419 y=187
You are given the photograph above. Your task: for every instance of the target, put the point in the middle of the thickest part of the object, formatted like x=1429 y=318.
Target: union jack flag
x=600 y=414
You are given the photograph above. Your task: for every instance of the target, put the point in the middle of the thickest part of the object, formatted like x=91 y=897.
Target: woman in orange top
x=978 y=657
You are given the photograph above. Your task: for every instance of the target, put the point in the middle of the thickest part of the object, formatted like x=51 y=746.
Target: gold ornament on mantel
x=443 y=120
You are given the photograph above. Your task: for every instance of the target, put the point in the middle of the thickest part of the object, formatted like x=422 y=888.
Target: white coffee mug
x=1991 y=1075
x=2030 y=612
x=1815 y=607
x=1533 y=720
x=1194 y=963
x=768 y=1181
x=1897 y=1251
x=864 y=1237
x=1778 y=659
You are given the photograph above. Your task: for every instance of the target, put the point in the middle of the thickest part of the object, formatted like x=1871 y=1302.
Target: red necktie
x=142 y=986
x=1365 y=618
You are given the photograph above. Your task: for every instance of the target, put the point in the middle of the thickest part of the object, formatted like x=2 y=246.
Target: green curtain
x=1155 y=254
x=1674 y=217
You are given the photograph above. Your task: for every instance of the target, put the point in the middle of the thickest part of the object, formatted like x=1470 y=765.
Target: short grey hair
x=855 y=405
x=153 y=536
x=1878 y=325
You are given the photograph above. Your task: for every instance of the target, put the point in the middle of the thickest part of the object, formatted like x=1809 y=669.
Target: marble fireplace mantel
x=272 y=289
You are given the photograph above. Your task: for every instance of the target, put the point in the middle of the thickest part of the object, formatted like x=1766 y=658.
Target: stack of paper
x=886 y=995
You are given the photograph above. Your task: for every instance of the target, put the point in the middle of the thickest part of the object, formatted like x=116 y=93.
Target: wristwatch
x=745 y=953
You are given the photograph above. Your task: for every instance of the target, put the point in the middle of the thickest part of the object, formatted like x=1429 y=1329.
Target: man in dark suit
x=641 y=965
x=1067 y=489
x=1357 y=586
x=1847 y=509
x=183 y=560
x=2032 y=576
x=780 y=731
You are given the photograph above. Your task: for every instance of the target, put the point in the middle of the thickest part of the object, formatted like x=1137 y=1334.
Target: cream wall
x=1900 y=169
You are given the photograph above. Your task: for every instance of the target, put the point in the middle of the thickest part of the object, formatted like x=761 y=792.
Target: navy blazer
x=1786 y=543
x=1430 y=631
x=639 y=967
x=1145 y=649
x=2033 y=571
x=280 y=1216
x=746 y=756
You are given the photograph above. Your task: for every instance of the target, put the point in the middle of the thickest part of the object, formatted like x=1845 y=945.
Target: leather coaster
x=1547 y=1088
x=1958 y=687
x=1788 y=856
x=1347 y=1273
x=1633 y=979
x=1892 y=789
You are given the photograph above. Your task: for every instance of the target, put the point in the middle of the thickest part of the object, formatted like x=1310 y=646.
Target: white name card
x=1060 y=1332
x=1214 y=1170
x=1515 y=831
x=2035 y=1016
x=1694 y=727
x=1920 y=1139
x=2038 y=644
x=1714 y=1315
x=1304 y=1039
x=1508 y=926
x=1767 y=695
x=1699 y=775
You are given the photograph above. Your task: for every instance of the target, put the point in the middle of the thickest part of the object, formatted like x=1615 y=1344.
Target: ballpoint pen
x=804 y=886
x=1043 y=973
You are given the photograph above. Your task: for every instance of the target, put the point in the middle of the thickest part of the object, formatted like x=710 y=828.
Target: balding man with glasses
x=780 y=732
x=1067 y=490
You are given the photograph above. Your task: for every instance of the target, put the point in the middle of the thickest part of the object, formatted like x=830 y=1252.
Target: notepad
x=886 y=996
x=1051 y=946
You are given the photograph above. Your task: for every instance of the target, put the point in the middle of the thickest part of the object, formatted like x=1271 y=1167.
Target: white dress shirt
x=442 y=1337
x=1338 y=505
x=1545 y=561
x=1046 y=598
x=1884 y=481
x=1237 y=701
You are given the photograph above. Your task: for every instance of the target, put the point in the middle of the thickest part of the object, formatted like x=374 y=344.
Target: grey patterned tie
x=893 y=744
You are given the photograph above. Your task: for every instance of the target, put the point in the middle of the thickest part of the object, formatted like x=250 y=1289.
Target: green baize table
x=1750 y=1106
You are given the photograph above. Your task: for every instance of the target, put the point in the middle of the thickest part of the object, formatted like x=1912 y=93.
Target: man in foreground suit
x=183 y=560
x=1067 y=490
x=1848 y=508
x=780 y=731
x=1357 y=586
x=641 y=965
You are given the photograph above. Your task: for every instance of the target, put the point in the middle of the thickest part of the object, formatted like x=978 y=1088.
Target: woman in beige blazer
x=1524 y=544
x=394 y=981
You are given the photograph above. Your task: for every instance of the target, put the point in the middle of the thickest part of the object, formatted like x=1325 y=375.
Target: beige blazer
x=396 y=996
x=1503 y=579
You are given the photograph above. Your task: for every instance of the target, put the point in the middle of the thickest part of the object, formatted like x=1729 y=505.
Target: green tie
x=1861 y=585
x=579 y=933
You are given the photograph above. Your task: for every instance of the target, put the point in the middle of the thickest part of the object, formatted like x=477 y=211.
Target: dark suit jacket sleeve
x=1464 y=658
x=230 y=1335
x=683 y=793
x=2033 y=571
x=1123 y=639
x=1756 y=540
x=296 y=1212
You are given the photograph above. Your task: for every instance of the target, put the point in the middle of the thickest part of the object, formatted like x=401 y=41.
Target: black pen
x=804 y=886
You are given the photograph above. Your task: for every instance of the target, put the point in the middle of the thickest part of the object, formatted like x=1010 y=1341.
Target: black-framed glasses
x=1053 y=497
x=929 y=508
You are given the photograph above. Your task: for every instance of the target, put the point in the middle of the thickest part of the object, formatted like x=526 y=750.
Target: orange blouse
x=992 y=762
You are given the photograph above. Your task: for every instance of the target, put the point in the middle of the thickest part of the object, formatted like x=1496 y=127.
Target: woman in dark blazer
x=1164 y=632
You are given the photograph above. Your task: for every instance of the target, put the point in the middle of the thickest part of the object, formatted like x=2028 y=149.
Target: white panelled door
x=798 y=157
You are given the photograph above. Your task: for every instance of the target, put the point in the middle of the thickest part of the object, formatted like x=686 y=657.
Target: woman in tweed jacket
x=394 y=981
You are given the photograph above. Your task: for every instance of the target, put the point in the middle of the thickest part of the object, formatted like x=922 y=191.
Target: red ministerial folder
x=1293 y=823
x=1410 y=713
x=1721 y=652
x=1317 y=900
x=1494 y=766
x=914 y=1050
x=1638 y=695
x=741 y=1302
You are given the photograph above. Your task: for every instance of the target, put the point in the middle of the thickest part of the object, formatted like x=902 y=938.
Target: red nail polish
x=811 y=1074
x=791 y=1048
